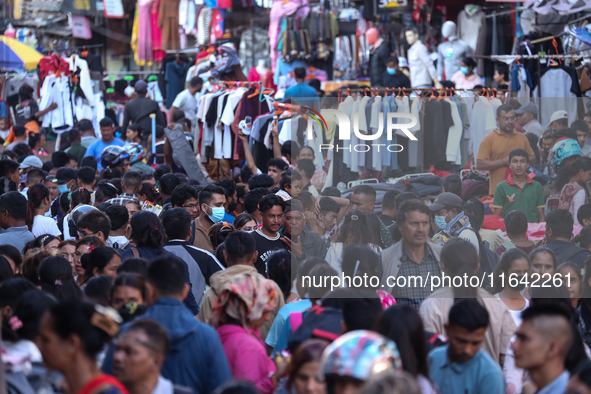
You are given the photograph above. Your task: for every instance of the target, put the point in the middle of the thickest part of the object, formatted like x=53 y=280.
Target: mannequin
x=378 y=56
x=470 y=20
x=262 y=74
x=451 y=52
x=422 y=70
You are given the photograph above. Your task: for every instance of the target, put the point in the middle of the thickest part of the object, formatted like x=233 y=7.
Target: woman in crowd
x=72 y=334
x=361 y=260
x=241 y=309
x=584 y=238
x=147 y=234
x=245 y=222
x=133 y=207
x=132 y=134
x=104 y=191
x=55 y=277
x=516 y=226
x=510 y=273
x=136 y=266
x=354 y=230
x=218 y=232
x=80 y=196
x=67 y=249
x=38 y=204
x=410 y=341
x=569 y=191
x=31 y=264
x=304 y=368
x=48 y=242
x=459 y=258
x=128 y=294
x=543 y=262
x=466 y=78
x=279 y=271
x=37 y=143
x=573 y=280
x=98 y=289
x=147 y=192
x=85 y=245
x=102 y=260
x=13 y=256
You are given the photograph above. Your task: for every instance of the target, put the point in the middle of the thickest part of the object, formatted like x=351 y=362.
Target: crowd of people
x=122 y=273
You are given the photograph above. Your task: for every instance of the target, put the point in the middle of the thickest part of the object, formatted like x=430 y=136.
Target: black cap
x=65 y=175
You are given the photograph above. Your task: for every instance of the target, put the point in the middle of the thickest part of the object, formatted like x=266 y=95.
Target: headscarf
x=245 y=298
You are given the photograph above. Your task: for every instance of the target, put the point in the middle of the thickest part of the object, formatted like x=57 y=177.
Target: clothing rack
x=72 y=48
x=499 y=13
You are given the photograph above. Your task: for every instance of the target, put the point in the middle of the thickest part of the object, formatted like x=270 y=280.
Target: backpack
x=318 y=322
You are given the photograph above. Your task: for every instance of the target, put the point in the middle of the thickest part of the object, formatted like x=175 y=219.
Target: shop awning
x=15 y=55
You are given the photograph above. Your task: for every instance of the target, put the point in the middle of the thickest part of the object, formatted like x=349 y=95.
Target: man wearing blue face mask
x=451 y=220
x=393 y=78
x=211 y=210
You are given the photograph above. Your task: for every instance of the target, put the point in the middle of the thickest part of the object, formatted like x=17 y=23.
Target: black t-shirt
x=26 y=111
x=398 y=80
x=266 y=247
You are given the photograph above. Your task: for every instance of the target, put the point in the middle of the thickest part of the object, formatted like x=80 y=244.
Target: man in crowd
x=462 y=366
x=168 y=182
x=94 y=223
x=319 y=178
x=211 y=210
x=139 y=357
x=413 y=255
x=119 y=217
x=267 y=238
x=192 y=342
x=76 y=147
x=364 y=199
x=86 y=178
x=185 y=101
x=306 y=169
x=131 y=183
x=231 y=199
x=327 y=218
x=393 y=78
x=240 y=254
x=108 y=138
x=187 y=197
x=546 y=144
x=558 y=120
x=388 y=216
x=559 y=231
x=302 y=90
x=34 y=175
x=493 y=154
x=302 y=243
x=527 y=117
x=582 y=130
x=87 y=133
x=201 y=262
x=138 y=111
x=13 y=212
x=541 y=346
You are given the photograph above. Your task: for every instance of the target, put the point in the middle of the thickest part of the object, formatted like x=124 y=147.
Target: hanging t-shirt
x=266 y=246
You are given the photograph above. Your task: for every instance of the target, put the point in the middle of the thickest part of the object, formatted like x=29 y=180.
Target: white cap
x=557 y=115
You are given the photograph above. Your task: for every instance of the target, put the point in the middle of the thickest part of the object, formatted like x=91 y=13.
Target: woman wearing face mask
x=393 y=77
x=466 y=78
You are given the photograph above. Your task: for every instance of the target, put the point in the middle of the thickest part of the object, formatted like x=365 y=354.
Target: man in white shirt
x=582 y=130
x=138 y=359
x=527 y=117
x=185 y=101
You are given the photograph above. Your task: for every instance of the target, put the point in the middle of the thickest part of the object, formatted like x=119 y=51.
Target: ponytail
x=36 y=194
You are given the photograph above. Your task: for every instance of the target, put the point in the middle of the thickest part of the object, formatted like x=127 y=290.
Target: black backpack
x=570 y=253
x=318 y=322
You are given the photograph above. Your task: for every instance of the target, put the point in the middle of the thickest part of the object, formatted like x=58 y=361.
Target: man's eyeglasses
x=511 y=119
x=190 y=206
x=83 y=235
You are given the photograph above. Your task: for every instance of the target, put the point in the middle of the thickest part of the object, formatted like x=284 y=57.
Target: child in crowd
x=4 y=129
x=519 y=191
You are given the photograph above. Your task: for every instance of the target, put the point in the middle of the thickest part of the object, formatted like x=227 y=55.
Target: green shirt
x=77 y=150
x=510 y=197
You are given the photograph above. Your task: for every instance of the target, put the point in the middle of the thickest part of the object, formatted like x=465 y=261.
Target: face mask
x=391 y=71
x=440 y=222
x=464 y=70
x=63 y=188
x=520 y=286
x=217 y=214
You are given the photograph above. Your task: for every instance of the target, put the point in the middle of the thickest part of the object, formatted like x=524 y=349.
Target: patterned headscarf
x=245 y=298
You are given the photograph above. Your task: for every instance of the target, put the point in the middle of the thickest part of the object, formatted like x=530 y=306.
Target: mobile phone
x=248 y=121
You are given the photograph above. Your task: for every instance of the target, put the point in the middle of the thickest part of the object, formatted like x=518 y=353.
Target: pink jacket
x=247 y=357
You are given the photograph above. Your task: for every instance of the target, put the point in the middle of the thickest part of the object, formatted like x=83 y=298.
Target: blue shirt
x=303 y=94
x=96 y=149
x=480 y=375
x=559 y=247
x=558 y=385
x=228 y=218
x=282 y=317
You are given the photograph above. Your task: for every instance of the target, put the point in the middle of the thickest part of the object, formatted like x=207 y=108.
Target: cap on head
x=64 y=175
x=141 y=87
x=558 y=115
x=31 y=161
x=445 y=200
x=527 y=107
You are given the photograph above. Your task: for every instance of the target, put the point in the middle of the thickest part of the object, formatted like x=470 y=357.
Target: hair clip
x=15 y=323
x=90 y=248
x=58 y=282
x=354 y=217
